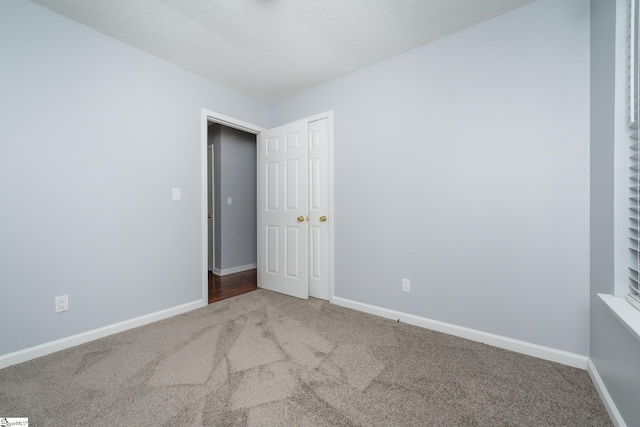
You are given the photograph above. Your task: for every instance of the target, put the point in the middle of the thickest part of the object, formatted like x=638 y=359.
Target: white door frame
x=207 y=116
x=211 y=221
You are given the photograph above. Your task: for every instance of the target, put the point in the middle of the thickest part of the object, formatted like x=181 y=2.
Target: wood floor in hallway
x=231 y=285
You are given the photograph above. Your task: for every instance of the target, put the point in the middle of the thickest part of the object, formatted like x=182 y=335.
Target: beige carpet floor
x=264 y=359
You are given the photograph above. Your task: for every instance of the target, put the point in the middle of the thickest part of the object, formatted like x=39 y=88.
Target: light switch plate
x=176 y=194
x=229 y=201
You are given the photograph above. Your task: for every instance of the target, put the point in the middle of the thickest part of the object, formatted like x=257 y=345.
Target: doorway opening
x=232 y=212
x=307 y=176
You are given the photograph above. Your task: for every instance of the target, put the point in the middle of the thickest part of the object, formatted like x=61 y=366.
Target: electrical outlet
x=62 y=303
x=406 y=285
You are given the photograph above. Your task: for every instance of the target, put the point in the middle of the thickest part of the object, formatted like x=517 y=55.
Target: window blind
x=634 y=117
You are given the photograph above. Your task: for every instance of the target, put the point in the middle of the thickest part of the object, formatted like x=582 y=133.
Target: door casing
x=211 y=246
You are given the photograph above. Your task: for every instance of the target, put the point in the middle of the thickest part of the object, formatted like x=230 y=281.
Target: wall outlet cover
x=62 y=303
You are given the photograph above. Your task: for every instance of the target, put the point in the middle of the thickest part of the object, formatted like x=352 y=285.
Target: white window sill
x=628 y=315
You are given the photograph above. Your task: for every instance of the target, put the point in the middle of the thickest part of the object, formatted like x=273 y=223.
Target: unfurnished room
x=288 y=213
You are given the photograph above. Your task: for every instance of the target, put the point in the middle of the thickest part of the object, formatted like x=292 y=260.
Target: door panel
x=272 y=186
x=273 y=252
x=315 y=256
x=319 y=208
x=292 y=252
x=292 y=180
x=282 y=160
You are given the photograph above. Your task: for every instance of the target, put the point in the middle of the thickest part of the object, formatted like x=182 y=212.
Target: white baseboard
x=612 y=410
x=232 y=270
x=535 y=350
x=63 y=343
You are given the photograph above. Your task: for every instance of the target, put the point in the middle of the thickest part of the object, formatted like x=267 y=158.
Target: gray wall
x=464 y=166
x=94 y=135
x=614 y=350
x=239 y=223
x=235 y=177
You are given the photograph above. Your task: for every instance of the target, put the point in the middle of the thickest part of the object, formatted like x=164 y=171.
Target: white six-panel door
x=283 y=233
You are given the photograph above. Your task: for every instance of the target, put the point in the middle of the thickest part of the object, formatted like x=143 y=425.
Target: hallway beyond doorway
x=231 y=285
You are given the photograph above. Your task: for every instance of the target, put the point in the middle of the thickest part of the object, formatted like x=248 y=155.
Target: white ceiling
x=270 y=49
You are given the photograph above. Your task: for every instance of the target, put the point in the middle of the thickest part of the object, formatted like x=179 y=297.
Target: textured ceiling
x=270 y=49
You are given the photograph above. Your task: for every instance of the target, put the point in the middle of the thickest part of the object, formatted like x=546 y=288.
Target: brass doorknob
x=300 y=218
x=323 y=218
